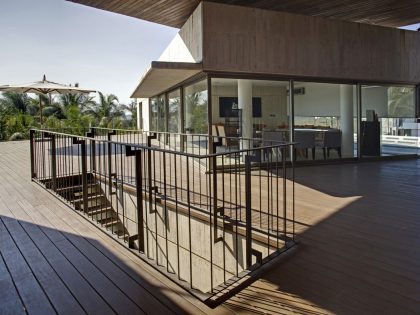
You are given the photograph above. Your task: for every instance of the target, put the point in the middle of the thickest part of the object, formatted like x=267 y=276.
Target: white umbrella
x=44 y=87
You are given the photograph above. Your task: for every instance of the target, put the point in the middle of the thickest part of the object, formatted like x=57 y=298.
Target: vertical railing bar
x=293 y=196
x=177 y=219
x=154 y=192
x=284 y=201
x=223 y=220
x=248 y=216
x=189 y=221
x=237 y=157
x=32 y=152
x=165 y=210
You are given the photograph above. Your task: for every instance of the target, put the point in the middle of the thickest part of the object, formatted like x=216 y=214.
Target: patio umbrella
x=44 y=87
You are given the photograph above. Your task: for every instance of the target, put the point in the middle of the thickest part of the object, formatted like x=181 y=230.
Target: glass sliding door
x=388 y=125
x=153 y=114
x=174 y=114
x=196 y=108
x=161 y=113
x=195 y=117
x=325 y=122
x=174 y=119
x=245 y=108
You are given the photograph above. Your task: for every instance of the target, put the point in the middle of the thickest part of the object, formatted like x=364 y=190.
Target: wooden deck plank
x=59 y=295
x=30 y=290
x=358 y=227
x=10 y=302
x=53 y=214
x=81 y=289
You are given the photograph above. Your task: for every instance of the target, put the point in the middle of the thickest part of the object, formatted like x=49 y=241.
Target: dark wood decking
x=359 y=253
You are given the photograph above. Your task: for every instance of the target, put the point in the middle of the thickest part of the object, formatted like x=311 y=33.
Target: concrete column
x=245 y=104
x=139 y=115
x=145 y=112
x=346 y=120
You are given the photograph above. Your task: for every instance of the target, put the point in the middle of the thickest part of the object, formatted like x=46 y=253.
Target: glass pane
x=389 y=126
x=161 y=114
x=174 y=115
x=325 y=120
x=254 y=111
x=153 y=113
x=196 y=108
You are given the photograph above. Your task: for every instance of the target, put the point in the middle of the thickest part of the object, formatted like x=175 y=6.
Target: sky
x=70 y=43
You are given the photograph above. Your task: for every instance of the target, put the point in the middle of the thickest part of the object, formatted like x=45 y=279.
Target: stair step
x=109 y=222
x=93 y=201
x=91 y=190
x=76 y=187
x=101 y=214
x=99 y=210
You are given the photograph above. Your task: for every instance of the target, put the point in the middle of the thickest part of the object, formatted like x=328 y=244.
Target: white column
x=145 y=111
x=139 y=109
x=245 y=104
x=346 y=120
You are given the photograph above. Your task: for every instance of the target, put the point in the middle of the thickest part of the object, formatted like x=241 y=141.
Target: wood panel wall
x=240 y=39
x=192 y=34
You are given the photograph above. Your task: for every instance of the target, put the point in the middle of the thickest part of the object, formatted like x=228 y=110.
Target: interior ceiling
x=174 y=13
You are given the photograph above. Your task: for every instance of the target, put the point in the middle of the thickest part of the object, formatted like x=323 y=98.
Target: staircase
x=98 y=208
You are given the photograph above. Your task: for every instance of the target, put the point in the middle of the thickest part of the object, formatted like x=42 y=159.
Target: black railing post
x=84 y=172
x=53 y=162
x=91 y=134
x=139 y=194
x=32 y=152
x=84 y=176
x=248 y=215
x=149 y=169
x=110 y=134
x=214 y=172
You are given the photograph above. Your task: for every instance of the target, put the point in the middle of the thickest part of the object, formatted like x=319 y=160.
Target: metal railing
x=206 y=216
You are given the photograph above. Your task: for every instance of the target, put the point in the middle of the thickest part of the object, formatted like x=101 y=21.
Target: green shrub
x=17 y=136
x=19 y=123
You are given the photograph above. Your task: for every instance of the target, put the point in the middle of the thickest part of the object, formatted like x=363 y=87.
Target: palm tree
x=400 y=102
x=105 y=110
x=196 y=112
x=16 y=102
x=81 y=100
x=132 y=109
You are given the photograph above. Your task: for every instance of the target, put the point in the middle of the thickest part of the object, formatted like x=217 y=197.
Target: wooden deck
x=359 y=251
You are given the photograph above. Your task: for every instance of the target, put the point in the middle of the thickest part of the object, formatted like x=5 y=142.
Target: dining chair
x=305 y=140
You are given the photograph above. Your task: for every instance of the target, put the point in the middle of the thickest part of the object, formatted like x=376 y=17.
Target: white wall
x=318 y=100
x=324 y=100
x=144 y=103
x=273 y=103
x=187 y=46
x=375 y=98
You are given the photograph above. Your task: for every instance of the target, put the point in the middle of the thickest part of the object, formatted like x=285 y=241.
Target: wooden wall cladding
x=241 y=39
x=175 y=12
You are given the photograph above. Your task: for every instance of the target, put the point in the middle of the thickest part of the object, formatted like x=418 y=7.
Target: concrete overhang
x=163 y=75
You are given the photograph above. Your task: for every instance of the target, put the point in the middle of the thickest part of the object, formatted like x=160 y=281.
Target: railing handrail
x=185 y=154
x=171 y=203
x=187 y=134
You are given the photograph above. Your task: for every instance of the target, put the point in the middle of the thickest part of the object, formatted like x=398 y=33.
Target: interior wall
x=273 y=103
x=318 y=100
x=324 y=100
x=375 y=98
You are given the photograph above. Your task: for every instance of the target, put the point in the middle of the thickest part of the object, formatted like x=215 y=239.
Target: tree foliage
x=19 y=112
